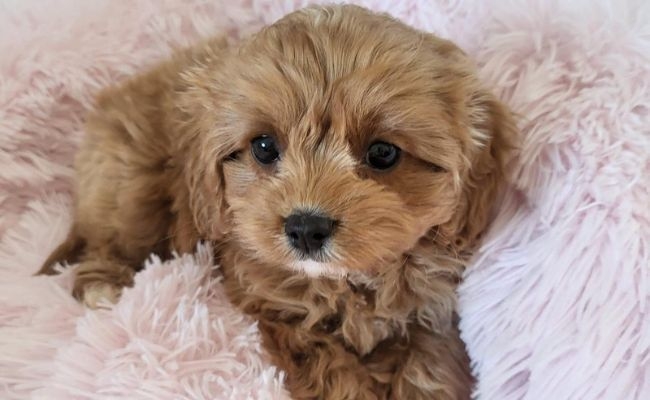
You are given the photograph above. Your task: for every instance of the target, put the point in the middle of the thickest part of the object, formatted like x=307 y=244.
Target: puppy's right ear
x=200 y=151
x=204 y=179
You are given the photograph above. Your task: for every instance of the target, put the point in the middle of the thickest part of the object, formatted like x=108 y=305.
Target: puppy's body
x=369 y=312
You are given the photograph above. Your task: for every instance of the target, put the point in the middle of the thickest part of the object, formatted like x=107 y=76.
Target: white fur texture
x=555 y=306
x=317 y=269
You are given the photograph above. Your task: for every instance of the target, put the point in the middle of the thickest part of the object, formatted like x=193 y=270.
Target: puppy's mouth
x=316 y=269
x=316 y=263
x=319 y=257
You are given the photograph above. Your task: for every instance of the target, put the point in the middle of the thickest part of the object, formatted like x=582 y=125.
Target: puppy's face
x=341 y=138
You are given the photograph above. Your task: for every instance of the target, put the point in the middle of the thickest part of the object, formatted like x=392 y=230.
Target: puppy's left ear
x=493 y=136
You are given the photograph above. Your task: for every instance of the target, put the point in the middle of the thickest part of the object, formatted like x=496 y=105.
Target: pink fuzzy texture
x=556 y=305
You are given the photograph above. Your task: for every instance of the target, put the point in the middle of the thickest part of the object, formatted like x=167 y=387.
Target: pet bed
x=556 y=304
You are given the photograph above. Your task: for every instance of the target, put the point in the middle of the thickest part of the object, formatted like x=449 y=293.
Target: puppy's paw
x=99 y=294
x=98 y=283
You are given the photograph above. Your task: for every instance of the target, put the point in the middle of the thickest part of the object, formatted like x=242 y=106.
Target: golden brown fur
x=167 y=163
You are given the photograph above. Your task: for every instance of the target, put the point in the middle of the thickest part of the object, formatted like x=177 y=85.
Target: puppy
x=344 y=166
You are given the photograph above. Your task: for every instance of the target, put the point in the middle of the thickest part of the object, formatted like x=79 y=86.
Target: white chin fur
x=317 y=269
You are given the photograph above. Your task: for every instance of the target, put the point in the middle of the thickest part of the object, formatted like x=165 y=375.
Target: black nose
x=308 y=232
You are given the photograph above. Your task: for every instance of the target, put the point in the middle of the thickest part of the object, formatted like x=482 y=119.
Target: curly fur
x=166 y=164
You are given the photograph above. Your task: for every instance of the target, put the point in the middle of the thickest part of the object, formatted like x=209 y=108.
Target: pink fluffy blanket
x=555 y=306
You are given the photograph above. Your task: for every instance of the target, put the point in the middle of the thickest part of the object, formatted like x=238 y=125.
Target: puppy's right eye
x=265 y=150
x=234 y=156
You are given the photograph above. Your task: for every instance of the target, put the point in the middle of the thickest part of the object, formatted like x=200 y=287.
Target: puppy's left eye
x=382 y=155
x=265 y=150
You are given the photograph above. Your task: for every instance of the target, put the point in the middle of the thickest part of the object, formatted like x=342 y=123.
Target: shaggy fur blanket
x=556 y=305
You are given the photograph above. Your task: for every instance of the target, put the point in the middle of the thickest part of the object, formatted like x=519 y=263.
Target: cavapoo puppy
x=344 y=166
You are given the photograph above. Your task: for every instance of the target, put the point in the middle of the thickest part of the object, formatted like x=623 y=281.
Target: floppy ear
x=493 y=137
x=204 y=178
x=202 y=169
x=200 y=150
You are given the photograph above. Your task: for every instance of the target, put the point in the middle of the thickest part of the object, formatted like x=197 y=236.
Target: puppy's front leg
x=318 y=366
x=436 y=367
x=99 y=280
x=127 y=194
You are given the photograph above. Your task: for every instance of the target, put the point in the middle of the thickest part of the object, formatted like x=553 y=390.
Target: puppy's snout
x=308 y=232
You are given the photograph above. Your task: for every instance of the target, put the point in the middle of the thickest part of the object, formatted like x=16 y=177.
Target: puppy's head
x=337 y=139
